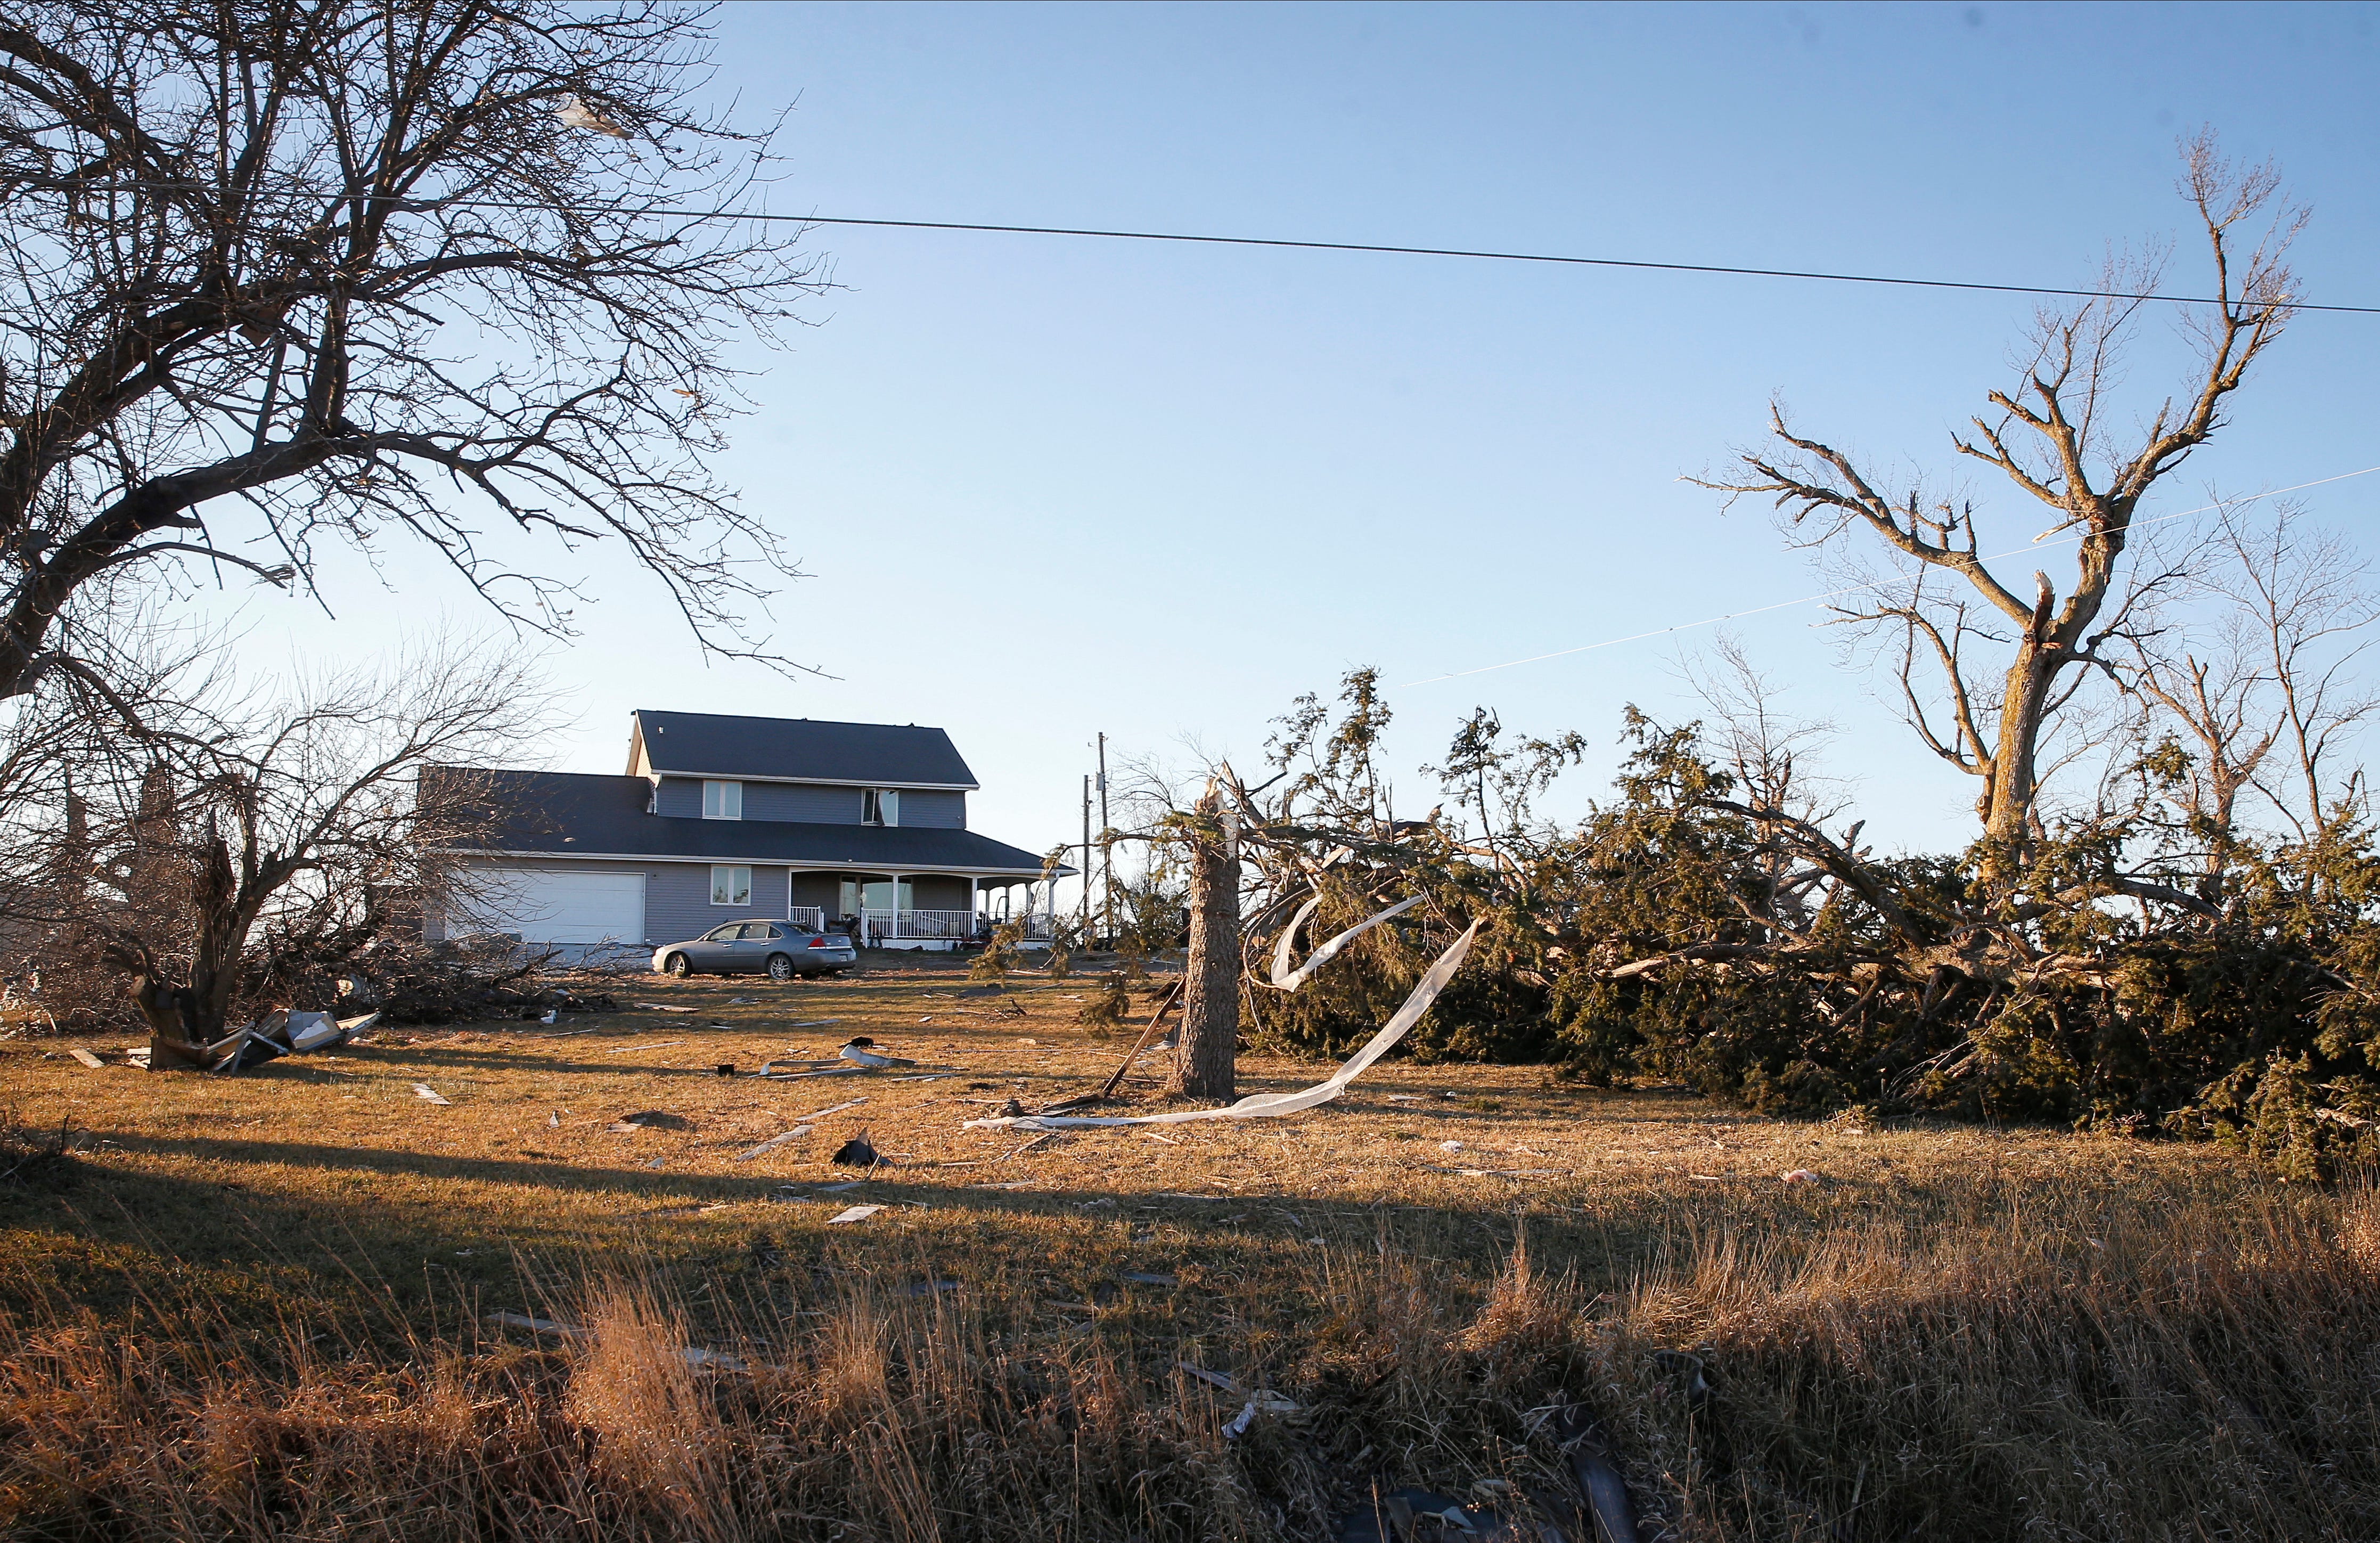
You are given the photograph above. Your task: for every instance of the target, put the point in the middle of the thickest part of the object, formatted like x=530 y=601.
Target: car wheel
x=675 y=965
x=780 y=968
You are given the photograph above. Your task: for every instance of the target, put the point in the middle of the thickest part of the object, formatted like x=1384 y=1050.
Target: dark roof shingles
x=716 y=745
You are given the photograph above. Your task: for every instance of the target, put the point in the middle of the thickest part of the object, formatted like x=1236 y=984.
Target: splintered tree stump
x=1205 y=1056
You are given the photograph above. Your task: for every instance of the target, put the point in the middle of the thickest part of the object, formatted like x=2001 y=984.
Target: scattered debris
x=1203 y=1374
x=424 y=1091
x=1264 y=1400
x=931 y=1288
x=655 y=1163
x=815 y=1023
x=860 y=1051
x=1149 y=1278
x=575 y=114
x=85 y=1056
x=651 y=1119
x=1598 y=1479
x=725 y=1068
x=832 y=1109
x=650 y=1045
x=664 y=1007
x=537 y=1325
x=858 y=1153
x=857 y=1213
x=1450 y=1145
x=1798 y=1175
x=772 y=1143
x=1265 y=1105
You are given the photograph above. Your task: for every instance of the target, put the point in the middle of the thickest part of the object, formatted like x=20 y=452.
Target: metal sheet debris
x=1265 y=1105
x=862 y=1052
x=1287 y=979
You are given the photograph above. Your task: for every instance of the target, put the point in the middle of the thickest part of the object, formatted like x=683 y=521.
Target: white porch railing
x=809 y=918
x=953 y=926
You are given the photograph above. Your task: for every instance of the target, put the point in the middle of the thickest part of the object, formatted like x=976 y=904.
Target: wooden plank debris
x=85 y=1056
x=664 y=1007
x=772 y=1143
x=427 y=1094
x=857 y=1213
x=655 y=1045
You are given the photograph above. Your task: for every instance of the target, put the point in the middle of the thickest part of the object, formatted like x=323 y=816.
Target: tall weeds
x=2050 y=1362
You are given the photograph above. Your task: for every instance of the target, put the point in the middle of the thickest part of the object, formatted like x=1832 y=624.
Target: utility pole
x=1087 y=851
x=1107 y=853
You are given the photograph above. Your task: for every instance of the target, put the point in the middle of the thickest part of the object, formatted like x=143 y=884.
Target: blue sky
x=1049 y=487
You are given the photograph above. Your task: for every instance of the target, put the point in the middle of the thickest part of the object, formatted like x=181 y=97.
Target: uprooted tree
x=287 y=273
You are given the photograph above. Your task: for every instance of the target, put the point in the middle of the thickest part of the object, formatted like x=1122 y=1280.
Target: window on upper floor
x=722 y=800
x=879 y=806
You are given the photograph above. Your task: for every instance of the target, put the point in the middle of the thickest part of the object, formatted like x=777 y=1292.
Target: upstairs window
x=722 y=800
x=879 y=806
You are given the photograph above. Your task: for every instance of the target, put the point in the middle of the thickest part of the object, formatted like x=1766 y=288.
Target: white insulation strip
x=1291 y=979
x=1263 y=1105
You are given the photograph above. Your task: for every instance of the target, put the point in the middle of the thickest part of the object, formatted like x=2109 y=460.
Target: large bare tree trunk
x=1205 y=1062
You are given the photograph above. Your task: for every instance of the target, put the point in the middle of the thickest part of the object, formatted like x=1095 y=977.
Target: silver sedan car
x=776 y=949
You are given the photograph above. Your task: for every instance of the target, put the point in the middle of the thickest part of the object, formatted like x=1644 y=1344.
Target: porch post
x=894 y=900
x=972 y=882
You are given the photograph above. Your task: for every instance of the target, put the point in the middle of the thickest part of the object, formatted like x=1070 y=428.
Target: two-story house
x=720 y=819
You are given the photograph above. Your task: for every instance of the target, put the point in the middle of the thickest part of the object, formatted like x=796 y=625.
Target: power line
x=1538 y=257
x=1853 y=590
x=430 y=205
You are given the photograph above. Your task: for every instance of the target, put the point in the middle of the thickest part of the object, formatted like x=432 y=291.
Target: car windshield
x=723 y=934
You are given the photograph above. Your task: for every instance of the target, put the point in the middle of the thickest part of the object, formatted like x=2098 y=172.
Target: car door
x=715 y=949
x=753 y=945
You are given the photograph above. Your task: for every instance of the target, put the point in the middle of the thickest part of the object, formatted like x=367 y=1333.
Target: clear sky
x=1048 y=487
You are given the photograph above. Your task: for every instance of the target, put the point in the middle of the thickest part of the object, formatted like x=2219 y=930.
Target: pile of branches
x=1706 y=926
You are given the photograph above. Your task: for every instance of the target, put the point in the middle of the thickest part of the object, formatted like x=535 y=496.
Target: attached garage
x=571 y=909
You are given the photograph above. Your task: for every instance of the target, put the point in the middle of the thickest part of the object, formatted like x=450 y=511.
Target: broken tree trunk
x=1205 y=1057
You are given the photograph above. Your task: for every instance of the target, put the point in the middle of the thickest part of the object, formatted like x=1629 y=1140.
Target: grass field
x=261 y=1306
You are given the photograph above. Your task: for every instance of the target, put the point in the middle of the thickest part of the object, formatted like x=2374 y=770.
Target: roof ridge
x=757 y=718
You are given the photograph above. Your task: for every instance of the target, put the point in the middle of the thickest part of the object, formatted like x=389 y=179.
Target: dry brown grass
x=257 y=1307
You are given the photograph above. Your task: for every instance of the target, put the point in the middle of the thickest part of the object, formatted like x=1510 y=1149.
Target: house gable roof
x=572 y=814
x=794 y=749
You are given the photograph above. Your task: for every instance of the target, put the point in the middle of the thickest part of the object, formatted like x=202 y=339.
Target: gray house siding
x=938 y=893
x=933 y=812
x=680 y=797
x=808 y=803
x=821 y=890
x=814 y=804
x=677 y=900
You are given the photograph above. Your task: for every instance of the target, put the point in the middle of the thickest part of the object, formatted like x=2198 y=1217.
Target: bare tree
x=287 y=272
x=1768 y=751
x=2050 y=436
x=2306 y=608
x=305 y=824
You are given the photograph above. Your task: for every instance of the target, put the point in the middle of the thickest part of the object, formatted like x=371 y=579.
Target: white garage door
x=559 y=907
